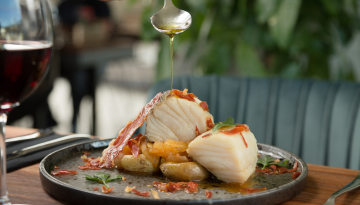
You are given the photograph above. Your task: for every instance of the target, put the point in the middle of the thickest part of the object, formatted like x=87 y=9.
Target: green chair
x=316 y=120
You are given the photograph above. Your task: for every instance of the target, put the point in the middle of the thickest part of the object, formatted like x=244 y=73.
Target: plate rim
x=45 y=175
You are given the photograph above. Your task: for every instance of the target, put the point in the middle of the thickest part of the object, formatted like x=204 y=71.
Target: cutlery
x=38 y=134
x=45 y=145
x=352 y=185
x=171 y=20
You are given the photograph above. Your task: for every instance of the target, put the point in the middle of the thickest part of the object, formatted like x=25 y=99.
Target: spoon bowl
x=171 y=20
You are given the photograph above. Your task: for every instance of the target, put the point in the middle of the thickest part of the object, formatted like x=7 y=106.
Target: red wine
x=22 y=66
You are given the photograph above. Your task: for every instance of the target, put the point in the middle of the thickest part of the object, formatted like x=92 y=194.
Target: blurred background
x=107 y=54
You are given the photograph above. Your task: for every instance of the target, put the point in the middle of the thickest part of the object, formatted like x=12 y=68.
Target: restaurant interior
x=290 y=70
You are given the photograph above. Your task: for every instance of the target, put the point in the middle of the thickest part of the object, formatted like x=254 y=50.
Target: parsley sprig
x=228 y=122
x=102 y=178
x=267 y=160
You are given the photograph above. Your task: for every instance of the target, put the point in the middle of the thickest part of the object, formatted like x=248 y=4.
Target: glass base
x=4 y=200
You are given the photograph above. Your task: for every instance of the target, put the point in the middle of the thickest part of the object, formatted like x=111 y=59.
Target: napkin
x=32 y=158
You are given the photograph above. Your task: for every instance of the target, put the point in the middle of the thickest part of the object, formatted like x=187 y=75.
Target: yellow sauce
x=171 y=31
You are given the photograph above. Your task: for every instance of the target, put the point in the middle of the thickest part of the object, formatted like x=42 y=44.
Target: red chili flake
x=207 y=135
x=184 y=95
x=205 y=106
x=251 y=190
x=87 y=153
x=266 y=170
x=197 y=132
x=134 y=144
x=238 y=129
x=189 y=187
x=179 y=185
x=146 y=194
x=160 y=186
x=208 y=194
x=88 y=159
x=243 y=140
x=106 y=190
x=295 y=175
x=273 y=166
x=192 y=188
x=294 y=169
x=134 y=148
x=277 y=169
x=88 y=167
x=94 y=162
x=56 y=167
x=137 y=138
x=95 y=188
x=55 y=173
x=209 y=123
x=283 y=170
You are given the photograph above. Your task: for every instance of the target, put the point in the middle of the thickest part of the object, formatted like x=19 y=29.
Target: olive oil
x=171 y=31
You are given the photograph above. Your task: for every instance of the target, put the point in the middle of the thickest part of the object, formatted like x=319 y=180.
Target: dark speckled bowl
x=75 y=189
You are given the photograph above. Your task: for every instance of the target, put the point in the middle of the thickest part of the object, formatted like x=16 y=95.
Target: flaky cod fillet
x=229 y=153
x=179 y=116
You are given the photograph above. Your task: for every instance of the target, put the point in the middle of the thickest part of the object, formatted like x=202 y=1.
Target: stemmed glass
x=26 y=39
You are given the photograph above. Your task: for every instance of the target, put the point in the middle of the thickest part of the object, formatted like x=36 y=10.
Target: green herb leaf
x=228 y=122
x=114 y=178
x=102 y=178
x=91 y=178
x=282 y=164
x=265 y=161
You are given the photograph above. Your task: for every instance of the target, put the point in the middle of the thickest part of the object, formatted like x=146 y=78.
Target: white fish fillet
x=174 y=118
x=226 y=156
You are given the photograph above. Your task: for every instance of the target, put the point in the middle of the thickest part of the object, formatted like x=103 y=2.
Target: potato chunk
x=139 y=164
x=185 y=171
x=124 y=152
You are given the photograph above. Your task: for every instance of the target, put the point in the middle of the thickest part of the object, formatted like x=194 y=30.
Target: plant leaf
x=282 y=164
x=91 y=178
x=101 y=175
x=265 y=9
x=114 y=178
x=102 y=178
x=265 y=161
x=247 y=60
x=283 y=22
x=228 y=122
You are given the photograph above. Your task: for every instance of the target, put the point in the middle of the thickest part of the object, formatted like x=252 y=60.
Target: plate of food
x=183 y=158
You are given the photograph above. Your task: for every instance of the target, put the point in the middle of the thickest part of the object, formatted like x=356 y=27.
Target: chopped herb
x=102 y=178
x=269 y=160
x=265 y=161
x=228 y=122
x=282 y=164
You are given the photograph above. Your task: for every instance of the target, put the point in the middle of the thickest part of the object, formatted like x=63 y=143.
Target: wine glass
x=26 y=39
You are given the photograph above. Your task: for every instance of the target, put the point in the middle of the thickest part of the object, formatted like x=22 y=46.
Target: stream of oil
x=171 y=31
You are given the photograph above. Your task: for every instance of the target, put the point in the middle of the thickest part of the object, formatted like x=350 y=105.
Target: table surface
x=25 y=188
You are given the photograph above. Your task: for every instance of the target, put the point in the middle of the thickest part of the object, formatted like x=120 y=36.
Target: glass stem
x=3 y=189
x=171 y=54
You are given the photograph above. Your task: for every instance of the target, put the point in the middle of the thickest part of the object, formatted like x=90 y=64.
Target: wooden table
x=25 y=188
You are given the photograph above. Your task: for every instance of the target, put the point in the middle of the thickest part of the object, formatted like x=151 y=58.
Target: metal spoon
x=171 y=20
x=352 y=185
